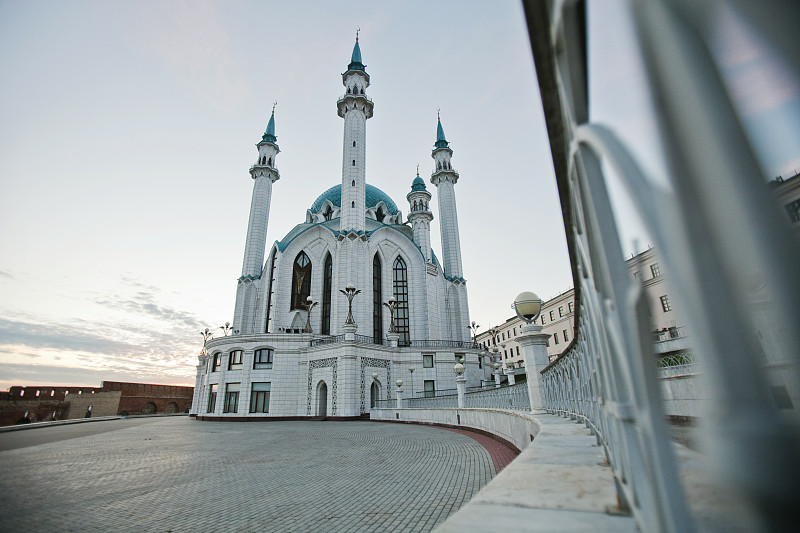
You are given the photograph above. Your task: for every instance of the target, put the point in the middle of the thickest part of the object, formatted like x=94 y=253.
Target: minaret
x=420 y=215
x=265 y=174
x=445 y=178
x=355 y=108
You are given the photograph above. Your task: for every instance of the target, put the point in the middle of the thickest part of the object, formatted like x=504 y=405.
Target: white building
x=272 y=365
x=558 y=314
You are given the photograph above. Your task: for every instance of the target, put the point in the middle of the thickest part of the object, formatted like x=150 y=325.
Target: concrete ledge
x=34 y=425
x=515 y=428
x=277 y=418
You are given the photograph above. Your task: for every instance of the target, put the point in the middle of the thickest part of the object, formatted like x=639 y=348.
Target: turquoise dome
x=418 y=184
x=373 y=196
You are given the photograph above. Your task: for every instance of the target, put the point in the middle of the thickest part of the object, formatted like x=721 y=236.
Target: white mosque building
x=286 y=361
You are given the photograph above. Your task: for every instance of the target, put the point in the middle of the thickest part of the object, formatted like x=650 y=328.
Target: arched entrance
x=322 y=399
x=172 y=407
x=374 y=394
x=149 y=408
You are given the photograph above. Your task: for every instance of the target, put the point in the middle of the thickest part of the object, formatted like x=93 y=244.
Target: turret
x=264 y=174
x=420 y=215
x=355 y=108
x=445 y=178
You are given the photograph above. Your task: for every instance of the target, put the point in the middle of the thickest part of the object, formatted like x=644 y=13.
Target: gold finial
x=417 y=169
x=358 y=29
x=273 y=106
x=437 y=113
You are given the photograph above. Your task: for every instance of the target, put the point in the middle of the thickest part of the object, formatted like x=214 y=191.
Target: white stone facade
x=353 y=234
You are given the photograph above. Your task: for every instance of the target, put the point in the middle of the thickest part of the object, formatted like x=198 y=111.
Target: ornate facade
x=297 y=347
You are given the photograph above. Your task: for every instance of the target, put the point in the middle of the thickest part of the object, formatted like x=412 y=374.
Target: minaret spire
x=264 y=174
x=355 y=108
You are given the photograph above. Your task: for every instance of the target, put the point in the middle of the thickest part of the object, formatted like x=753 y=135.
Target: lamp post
x=309 y=305
x=226 y=329
x=461 y=384
x=534 y=345
x=496 y=353
x=411 y=369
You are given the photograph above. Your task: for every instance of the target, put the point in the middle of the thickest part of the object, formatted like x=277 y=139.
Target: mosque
x=351 y=300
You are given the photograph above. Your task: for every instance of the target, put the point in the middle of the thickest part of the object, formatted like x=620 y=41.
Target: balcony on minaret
x=361 y=102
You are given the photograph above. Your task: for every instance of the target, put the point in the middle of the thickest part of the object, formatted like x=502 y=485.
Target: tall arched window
x=377 y=301
x=301 y=280
x=400 y=283
x=327 y=283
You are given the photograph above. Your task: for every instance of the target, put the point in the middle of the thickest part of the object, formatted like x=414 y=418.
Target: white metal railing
x=719 y=235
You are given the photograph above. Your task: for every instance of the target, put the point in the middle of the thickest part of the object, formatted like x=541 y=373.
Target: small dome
x=418 y=184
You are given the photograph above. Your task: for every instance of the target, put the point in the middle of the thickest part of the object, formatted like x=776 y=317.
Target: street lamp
x=226 y=329
x=474 y=328
x=527 y=306
x=411 y=369
x=309 y=305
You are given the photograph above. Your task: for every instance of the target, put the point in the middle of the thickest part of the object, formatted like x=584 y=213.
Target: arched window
x=328 y=213
x=301 y=280
x=348 y=90
x=354 y=162
x=263 y=159
x=327 y=283
x=400 y=285
x=353 y=184
x=379 y=215
x=269 y=161
x=354 y=144
x=362 y=91
x=377 y=301
x=352 y=204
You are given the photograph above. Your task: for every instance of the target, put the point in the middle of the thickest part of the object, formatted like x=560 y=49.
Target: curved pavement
x=175 y=474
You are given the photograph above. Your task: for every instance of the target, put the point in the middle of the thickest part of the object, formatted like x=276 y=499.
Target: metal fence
x=718 y=232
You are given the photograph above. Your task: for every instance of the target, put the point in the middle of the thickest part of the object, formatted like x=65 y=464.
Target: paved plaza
x=175 y=474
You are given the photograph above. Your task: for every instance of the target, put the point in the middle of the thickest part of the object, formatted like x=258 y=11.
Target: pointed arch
x=327 y=288
x=400 y=289
x=301 y=280
x=269 y=162
x=377 y=300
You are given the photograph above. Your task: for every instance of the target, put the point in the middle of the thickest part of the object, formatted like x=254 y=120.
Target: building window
x=427 y=361
x=401 y=319
x=262 y=358
x=505 y=354
x=515 y=332
x=212 y=398
x=354 y=162
x=231 y=398
x=552 y=315
x=560 y=310
x=555 y=337
x=235 y=360
x=517 y=350
x=215 y=363
x=543 y=319
x=327 y=288
x=566 y=337
x=301 y=280
x=430 y=388
x=665 y=303
x=377 y=301
x=655 y=270
x=354 y=144
x=571 y=306
x=259 y=398
x=794 y=211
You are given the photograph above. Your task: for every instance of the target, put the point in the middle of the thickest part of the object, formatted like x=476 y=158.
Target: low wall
x=516 y=428
x=683 y=395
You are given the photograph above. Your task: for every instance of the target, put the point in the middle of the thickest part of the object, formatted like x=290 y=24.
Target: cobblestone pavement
x=177 y=474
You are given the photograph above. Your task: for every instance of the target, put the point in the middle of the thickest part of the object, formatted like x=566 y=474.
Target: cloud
x=7 y=275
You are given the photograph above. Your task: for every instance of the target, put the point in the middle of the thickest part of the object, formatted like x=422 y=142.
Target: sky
x=128 y=129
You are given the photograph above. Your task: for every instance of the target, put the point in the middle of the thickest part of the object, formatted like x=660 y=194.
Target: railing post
x=534 y=353
x=392 y=339
x=461 y=385
x=399 y=393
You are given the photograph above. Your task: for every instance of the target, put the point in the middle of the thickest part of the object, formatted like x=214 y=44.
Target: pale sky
x=128 y=129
